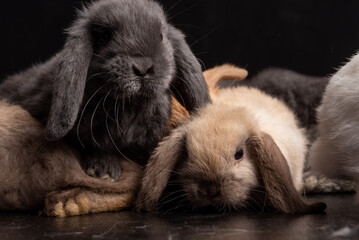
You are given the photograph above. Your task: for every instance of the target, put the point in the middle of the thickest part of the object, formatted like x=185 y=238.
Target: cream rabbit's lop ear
x=275 y=173
x=159 y=169
x=222 y=73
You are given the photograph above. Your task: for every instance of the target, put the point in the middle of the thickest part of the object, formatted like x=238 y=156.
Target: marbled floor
x=341 y=221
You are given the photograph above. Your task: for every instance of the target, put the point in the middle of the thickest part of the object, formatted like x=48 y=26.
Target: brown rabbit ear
x=222 y=73
x=275 y=173
x=159 y=169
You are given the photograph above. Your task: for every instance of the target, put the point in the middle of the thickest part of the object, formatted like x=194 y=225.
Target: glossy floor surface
x=341 y=221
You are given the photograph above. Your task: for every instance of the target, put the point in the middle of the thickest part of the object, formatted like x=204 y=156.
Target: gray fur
x=108 y=90
x=300 y=92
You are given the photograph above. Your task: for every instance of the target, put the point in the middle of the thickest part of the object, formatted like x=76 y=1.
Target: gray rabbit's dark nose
x=142 y=69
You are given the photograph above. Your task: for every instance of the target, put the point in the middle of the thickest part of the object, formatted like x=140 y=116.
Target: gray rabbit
x=108 y=90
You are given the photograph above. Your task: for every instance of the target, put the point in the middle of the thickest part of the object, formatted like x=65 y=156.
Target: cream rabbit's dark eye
x=239 y=154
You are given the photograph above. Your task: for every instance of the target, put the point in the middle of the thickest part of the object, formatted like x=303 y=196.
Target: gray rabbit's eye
x=239 y=154
x=161 y=37
x=101 y=35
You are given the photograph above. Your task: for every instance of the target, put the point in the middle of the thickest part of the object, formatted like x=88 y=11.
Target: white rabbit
x=336 y=151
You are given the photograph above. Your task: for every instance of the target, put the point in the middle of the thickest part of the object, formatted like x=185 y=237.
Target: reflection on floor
x=340 y=220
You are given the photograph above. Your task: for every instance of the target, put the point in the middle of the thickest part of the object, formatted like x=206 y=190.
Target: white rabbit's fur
x=336 y=151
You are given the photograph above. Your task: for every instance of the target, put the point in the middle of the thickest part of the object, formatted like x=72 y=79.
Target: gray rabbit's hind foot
x=106 y=168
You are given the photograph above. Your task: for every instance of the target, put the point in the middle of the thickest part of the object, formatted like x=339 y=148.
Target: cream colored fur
x=234 y=115
x=202 y=155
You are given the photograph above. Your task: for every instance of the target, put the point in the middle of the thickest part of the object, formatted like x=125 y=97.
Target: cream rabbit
x=241 y=142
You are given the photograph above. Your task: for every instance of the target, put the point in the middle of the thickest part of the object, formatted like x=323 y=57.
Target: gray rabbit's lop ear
x=275 y=173
x=69 y=78
x=159 y=169
x=189 y=86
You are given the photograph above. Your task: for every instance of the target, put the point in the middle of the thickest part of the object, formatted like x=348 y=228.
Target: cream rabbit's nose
x=208 y=191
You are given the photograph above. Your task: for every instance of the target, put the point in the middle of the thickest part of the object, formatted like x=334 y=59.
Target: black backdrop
x=312 y=37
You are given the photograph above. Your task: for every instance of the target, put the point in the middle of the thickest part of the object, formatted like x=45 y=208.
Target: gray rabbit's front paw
x=103 y=166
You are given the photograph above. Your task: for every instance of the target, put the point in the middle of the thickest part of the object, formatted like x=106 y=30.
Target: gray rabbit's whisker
x=184 y=81
x=204 y=65
x=185 y=84
x=183 y=11
x=98 y=55
x=115 y=109
x=183 y=102
x=188 y=25
x=208 y=34
x=95 y=75
x=201 y=53
x=82 y=113
x=91 y=124
x=123 y=103
x=104 y=107
x=113 y=142
x=119 y=129
x=174 y=5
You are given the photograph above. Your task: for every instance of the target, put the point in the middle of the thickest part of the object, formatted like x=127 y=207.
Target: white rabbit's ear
x=189 y=86
x=69 y=79
x=159 y=169
x=274 y=171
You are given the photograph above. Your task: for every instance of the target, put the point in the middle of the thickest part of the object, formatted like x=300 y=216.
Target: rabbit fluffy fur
x=301 y=93
x=37 y=174
x=201 y=154
x=48 y=175
x=108 y=90
x=335 y=152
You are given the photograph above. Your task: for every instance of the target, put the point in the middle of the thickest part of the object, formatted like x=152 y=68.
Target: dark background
x=311 y=37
